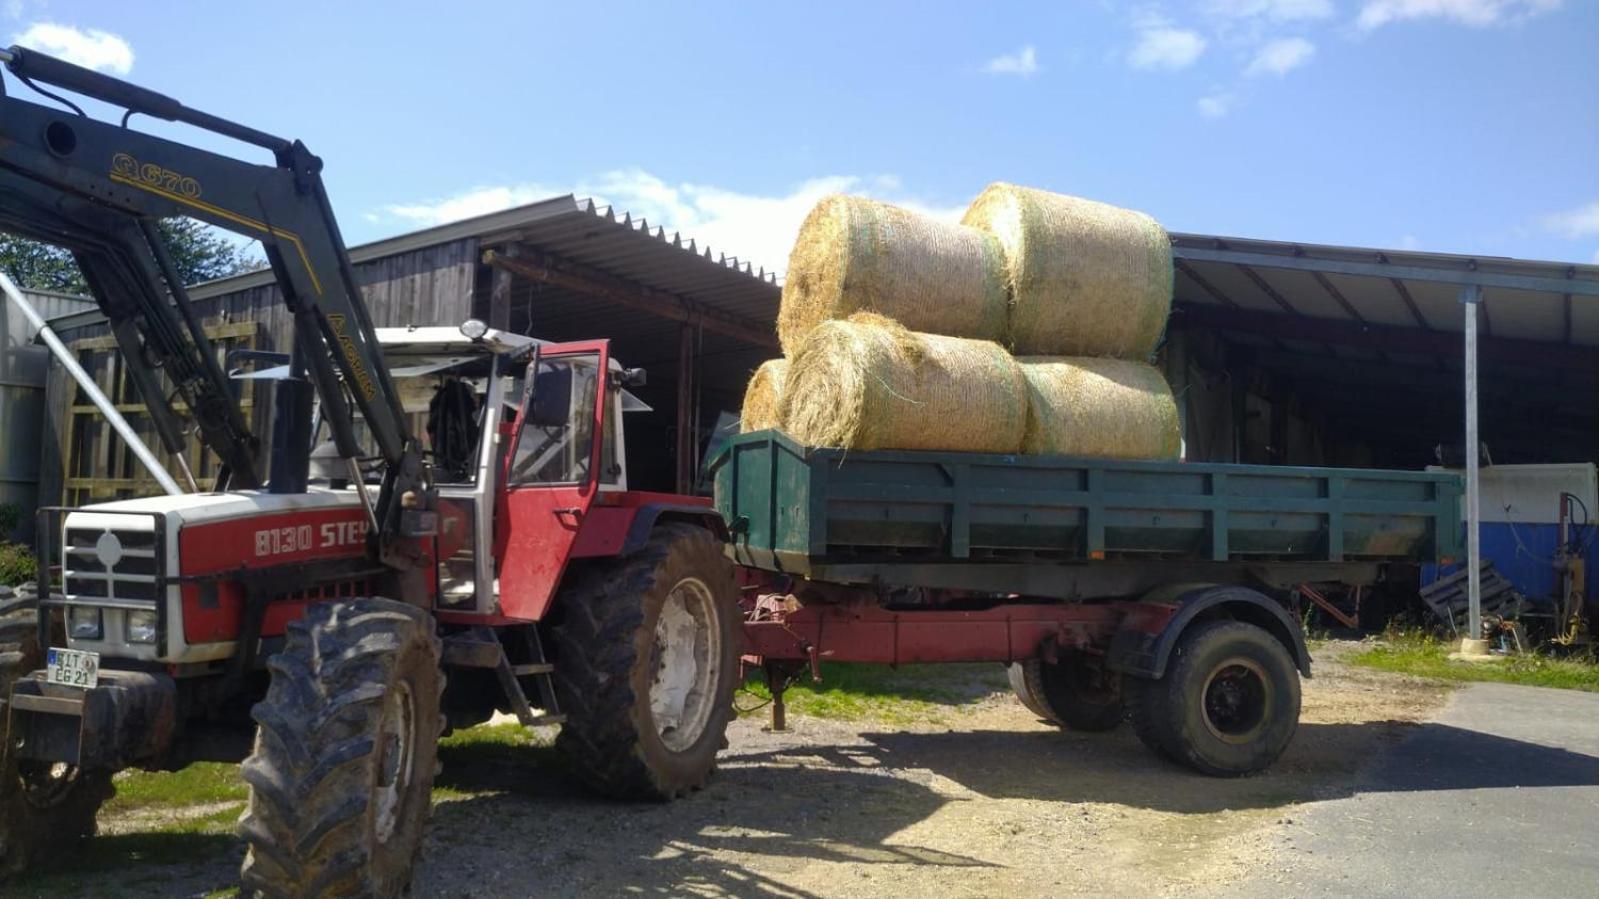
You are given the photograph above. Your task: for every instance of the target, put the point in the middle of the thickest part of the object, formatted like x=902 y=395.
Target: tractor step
x=541 y=671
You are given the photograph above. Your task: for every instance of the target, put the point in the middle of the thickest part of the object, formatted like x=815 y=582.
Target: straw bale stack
x=867 y=382
x=859 y=255
x=1086 y=279
x=1100 y=408
x=762 y=395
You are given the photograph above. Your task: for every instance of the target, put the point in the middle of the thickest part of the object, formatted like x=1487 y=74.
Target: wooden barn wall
x=429 y=286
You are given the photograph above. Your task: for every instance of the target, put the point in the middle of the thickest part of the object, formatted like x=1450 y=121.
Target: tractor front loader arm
x=98 y=189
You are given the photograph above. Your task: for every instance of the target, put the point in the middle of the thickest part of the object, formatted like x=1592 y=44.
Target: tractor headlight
x=141 y=627
x=83 y=623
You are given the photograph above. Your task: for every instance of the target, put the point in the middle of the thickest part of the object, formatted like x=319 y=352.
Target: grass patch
x=1426 y=656
x=908 y=694
x=201 y=782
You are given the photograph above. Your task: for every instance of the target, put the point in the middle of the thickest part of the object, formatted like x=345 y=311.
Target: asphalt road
x=1497 y=795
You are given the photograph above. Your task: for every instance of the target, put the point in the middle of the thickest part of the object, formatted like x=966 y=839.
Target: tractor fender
x=649 y=514
x=1143 y=644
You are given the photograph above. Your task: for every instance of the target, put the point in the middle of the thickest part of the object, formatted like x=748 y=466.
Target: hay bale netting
x=762 y=395
x=859 y=255
x=1099 y=408
x=869 y=383
x=1086 y=279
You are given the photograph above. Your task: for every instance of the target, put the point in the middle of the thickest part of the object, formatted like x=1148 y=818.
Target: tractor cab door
x=556 y=466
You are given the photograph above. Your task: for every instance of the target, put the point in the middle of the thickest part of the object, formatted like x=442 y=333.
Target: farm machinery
x=325 y=621
x=326 y=630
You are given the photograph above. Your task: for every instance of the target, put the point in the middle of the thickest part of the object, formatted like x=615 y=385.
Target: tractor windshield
x=558 y=429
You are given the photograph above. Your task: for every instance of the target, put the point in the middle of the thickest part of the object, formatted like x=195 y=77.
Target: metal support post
x=91 y=389
x=1470 y=298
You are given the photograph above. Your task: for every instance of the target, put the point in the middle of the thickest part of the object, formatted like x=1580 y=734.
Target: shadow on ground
x=525 y=827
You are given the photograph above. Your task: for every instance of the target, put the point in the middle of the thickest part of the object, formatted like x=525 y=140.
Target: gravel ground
x=980 y=801
x=988 y=802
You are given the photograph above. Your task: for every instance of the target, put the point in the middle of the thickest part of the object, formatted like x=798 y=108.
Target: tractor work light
x=83 y=623
x=142 y=627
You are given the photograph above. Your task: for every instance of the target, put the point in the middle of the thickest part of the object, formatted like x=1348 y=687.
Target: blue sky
x=1465 y=126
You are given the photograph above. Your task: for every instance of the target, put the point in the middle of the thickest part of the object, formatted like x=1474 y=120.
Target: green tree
x=198 y=250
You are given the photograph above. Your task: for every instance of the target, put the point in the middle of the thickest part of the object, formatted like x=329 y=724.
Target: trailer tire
x=1069 y=693
x=1026 y=682
x=345 y=753
x=45 y=810
x=621 y=669
x=1228 y=704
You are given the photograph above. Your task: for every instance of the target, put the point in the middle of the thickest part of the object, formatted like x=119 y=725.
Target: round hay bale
x=869 y=383
x=859 y=255
x=1099 y=408
x=762 y=395
x=1086 y=279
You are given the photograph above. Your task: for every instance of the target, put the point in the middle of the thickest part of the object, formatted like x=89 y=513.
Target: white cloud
x=754 y=227
x=90 y=48
x=1476 y=13
x=1162 y=46
x=1575 y=224
x=1023 y=62
x=1276 y=10
x=1281 y=56
x=1409 y=242
x=1215 y=105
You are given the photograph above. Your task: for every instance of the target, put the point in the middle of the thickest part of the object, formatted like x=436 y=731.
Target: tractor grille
x=131 y=575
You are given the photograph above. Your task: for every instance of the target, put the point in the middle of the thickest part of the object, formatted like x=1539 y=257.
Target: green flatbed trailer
x=1154 y=590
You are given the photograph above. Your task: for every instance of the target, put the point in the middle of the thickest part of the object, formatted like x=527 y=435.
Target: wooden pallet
x=1448 y=600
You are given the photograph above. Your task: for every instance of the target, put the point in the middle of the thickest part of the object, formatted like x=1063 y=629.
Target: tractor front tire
x=1228 y=704
x=346 y=749
x=45 y=809
x=646 y=661
x=1070 y=693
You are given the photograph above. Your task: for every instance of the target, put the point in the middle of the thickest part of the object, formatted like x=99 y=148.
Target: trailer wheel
x=1071 y=693
x=45 y=809
x=645 y=666
x=1229 y=702
x=342 y=774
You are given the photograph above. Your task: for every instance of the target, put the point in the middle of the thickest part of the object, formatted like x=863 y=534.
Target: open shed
x=560 y=269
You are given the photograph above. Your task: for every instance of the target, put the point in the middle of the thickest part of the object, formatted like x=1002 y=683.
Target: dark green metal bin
x=792 y=507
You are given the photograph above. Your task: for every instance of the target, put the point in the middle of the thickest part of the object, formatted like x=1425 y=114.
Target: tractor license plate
x=73 y=668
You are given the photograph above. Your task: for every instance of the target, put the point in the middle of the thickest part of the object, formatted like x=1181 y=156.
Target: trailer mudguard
x=1143 y=643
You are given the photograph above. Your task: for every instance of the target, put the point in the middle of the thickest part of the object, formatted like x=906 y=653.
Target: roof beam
x=1442 y=344
x=1338 y=295
x=1268 y=290
x=545 y=268
x=1205 y=285
x=1577 y=286
x=1410 y=303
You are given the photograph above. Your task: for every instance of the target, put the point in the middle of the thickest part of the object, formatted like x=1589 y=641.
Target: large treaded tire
x=353 y=679
x=1069 y=694
x=1026 y=681
x=45 y=810
x=1176 y=716
x=606 y=656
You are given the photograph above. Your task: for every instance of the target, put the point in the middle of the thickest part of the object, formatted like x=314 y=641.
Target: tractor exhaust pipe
x=100 y=400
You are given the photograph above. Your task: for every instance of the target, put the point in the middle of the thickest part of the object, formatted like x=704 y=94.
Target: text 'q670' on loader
x=326 y=630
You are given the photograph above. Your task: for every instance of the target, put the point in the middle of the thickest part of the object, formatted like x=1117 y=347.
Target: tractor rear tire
x=45 y=809
x=1228 y=704
x=1070 y=693
x=646 y=661
x=345 y=753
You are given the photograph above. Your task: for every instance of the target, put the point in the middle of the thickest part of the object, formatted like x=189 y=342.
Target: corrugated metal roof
x=1525 y=300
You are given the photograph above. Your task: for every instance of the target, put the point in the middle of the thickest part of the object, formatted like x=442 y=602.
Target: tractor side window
x=557 y=441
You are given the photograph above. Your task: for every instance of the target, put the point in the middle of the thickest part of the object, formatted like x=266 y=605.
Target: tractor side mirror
x=634 y=377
